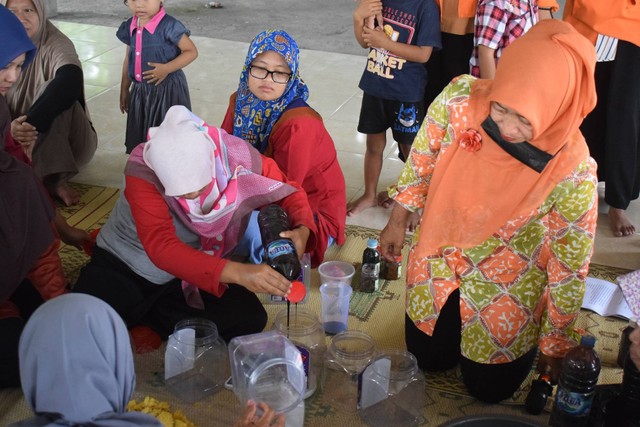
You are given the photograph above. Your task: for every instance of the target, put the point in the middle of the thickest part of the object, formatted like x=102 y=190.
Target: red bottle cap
x=298 y=292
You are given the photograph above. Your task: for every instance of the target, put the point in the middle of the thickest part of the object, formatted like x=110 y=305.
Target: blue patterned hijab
x=254 y=118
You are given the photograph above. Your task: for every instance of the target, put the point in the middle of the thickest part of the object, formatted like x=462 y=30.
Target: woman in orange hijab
x=497 y=268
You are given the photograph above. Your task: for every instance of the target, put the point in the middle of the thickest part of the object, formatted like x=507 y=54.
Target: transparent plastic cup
x=195 y=360
x=267 y=367
x=336 y=272
x=335 y=306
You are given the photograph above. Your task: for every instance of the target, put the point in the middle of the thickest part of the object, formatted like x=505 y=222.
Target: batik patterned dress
x=524 y=285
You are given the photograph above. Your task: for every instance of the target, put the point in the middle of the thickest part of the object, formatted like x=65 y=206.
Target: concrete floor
x=333 y=82
x=325 y=25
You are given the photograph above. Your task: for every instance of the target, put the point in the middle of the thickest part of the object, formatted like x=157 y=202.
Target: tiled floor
x=333 y=82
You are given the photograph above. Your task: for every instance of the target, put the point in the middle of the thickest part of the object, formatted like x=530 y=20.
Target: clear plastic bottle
x=280 y=253
x=349 y=353
x=304 y=330
x=577 y=385
x=370 y=277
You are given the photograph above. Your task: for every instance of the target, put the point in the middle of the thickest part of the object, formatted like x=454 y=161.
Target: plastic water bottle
x=577 y=385
x=370 y=278
x=280 y=253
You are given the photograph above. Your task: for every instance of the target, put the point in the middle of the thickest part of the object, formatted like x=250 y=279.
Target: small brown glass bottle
x=393 y=269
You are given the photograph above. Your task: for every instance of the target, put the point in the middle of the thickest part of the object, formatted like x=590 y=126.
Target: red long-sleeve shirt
x=157 y=233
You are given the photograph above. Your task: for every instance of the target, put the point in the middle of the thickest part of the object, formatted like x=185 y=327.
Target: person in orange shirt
x=456 y=33
x=612 y=130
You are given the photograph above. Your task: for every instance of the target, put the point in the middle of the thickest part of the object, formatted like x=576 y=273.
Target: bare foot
x=360 y=204
x=68 y=195
x=384 y=200
x=414 y=220
x=619 y=223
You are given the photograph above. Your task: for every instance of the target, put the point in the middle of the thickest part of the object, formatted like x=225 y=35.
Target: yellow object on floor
x=162 y=411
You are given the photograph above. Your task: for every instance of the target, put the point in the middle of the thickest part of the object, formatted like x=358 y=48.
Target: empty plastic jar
x=349 y=353
x=304 y=330
x=391 y=390
x=267 y=367
x=195 y=362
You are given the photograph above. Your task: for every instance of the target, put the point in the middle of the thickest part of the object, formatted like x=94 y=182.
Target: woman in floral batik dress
x=497 y=267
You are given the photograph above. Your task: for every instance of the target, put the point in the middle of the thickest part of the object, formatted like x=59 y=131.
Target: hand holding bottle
x=256 y=278
x=299 y=236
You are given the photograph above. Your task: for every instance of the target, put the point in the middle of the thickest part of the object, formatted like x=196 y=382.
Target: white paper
x=605 y=298
x=374 y=383
x=180 y=355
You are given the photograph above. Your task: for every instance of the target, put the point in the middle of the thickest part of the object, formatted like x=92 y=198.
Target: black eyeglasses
x=262 y=73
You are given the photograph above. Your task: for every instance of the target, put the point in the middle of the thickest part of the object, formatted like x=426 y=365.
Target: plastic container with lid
x=349 y=353
x=267 y=367
x=303 y=329
x=195 y=360
x=391 y=390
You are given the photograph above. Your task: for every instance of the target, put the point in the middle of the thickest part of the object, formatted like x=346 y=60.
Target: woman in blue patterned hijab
x=256 y=113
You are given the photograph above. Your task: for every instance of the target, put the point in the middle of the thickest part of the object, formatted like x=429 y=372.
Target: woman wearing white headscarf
x=76 y=366
x=165 y=253
x=48 y=107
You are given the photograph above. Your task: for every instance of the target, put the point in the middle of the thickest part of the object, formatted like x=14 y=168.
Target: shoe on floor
x=145 y=339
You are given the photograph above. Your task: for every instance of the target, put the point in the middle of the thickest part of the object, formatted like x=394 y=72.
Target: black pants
x=489 y=383
x=445 y=64
x=160 y=307
x=27 y=299
x=612 y=129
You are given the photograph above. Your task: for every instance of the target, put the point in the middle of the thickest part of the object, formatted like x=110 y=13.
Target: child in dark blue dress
x=152 y=78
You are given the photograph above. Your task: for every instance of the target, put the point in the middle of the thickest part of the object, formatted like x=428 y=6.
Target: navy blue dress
x=149 y=103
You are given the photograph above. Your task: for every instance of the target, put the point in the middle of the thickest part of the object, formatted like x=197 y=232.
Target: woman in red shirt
x=269 y=111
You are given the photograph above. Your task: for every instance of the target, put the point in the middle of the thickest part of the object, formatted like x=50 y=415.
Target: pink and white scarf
x=183 y=155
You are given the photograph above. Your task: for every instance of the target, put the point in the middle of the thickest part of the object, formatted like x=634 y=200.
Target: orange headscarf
x=547 y=77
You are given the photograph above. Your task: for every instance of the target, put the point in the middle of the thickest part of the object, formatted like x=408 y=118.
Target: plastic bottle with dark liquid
x=577 y=385
x=280 y=253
